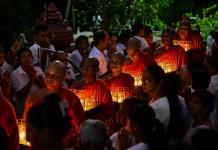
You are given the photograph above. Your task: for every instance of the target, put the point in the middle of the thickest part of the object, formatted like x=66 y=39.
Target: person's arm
x=24 y=91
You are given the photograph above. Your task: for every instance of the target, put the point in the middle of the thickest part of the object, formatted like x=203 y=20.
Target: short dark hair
x=200 y=79
x=40 y=28
x=98 y=36
x=80 y=38
x=136 y=27
x=206 y=98
x=212 y=62
x=148 y=30
x=51 y=115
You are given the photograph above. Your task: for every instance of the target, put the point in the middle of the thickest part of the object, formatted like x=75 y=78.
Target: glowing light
x=87 y=99
x=138 y=79
x=119 y=94
x=184 y=44
x=22 y=133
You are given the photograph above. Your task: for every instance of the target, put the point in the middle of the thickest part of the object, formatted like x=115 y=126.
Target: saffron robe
x=8 y=121
x=173 y=59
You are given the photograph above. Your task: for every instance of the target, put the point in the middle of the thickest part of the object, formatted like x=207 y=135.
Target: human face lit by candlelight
x=89 y=70
x=116 y=65
x=148 y=82
x=54 y=76
x=167 y=39
x=133 y=49
x=183 y=32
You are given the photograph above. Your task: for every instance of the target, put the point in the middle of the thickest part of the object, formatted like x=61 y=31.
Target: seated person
x=192 y=44
x=70 y=74
x=118 y=81
x=136 y=61
x=94 y=93
x=171 y=57
x=93 y=136
x=8 y=121
x=48 y=123
x=54 y=78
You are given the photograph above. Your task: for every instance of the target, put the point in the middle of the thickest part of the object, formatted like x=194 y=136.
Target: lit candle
x=22 y=133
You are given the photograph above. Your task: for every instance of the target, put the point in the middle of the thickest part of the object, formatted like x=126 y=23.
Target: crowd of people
x=119 y=92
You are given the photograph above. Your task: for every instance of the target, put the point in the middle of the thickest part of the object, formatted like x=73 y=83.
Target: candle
x=86 y=99
x=22 y=133
x=138 y=80
x=184 y=44
x=119 y=93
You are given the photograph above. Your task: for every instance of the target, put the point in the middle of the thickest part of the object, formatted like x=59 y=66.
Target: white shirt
x=6 y=67
x=20 y=78
x=76 y=58
x=114 y=139
x=139 y=146
x=162 y=110
x=121 y=46
x=37 y=53
x=70 y=73
x=103 y=61
x=214 y=80
x=143 y=42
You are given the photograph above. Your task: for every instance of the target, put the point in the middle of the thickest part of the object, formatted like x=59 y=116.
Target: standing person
x=124 y=37
x=82 y=51
x=5 y=78
x=172 y=58
x=138 y=32
x=101 y=43
x=40 y=57
x=146 y=129
x=11 y=46
x=94 y=93
x=46 y=131
x=164 y=100
x=194 y=44
x=26 y=79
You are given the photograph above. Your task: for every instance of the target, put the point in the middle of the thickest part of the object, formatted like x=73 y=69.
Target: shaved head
x=58 y=66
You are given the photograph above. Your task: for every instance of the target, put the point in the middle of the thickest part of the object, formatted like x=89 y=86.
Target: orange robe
x=195 y=49
x=96 y=100
x=75 y=110
x=173 y=59
x=135 y=69
x=8 y=121
x=121 y=87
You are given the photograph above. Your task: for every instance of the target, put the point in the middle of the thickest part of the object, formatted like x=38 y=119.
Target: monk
x=171 y=57
x=94 y=93
x=120 y=84
x=137 y=61
x=194 y=44
x=54 y=78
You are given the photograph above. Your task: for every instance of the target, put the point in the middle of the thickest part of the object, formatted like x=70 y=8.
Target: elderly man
x=54 y=78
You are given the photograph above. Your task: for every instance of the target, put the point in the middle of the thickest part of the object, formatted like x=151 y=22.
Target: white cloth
x=121 y=46
x=6 y=67
x=210 y=42
x=76 y=58
x=162 y=110
x=114 y=139
x=70 y=73
x=214 y=80
x=103 y=61
x=19 y=80
x=143 y=42
x=139 y=146
x=37 y=53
